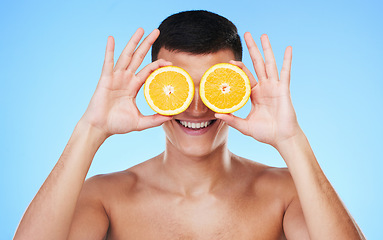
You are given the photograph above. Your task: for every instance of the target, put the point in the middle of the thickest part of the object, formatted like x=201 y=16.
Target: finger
x=148 y=69
x=256 y=57
x=271 y=66
x=152 y=121
x=142 y=50
x=242 y=66
x=234 y=121
x=145 y=72
x=107 y=67
x=126 y=55
x=286 y=67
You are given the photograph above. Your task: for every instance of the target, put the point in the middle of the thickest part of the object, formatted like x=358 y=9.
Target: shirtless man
x=197 y=188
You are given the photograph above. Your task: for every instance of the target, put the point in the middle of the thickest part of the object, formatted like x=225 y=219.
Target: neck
x=196 y=174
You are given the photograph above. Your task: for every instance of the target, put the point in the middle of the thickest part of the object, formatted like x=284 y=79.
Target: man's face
x=195 y=140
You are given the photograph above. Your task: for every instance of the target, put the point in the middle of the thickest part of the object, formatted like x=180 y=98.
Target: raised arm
x=112 y=110
x=272 y=120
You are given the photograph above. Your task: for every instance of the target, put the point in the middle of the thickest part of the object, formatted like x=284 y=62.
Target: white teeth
x=195 y=125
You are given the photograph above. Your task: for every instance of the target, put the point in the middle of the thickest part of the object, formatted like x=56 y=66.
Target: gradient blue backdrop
x=51 y=58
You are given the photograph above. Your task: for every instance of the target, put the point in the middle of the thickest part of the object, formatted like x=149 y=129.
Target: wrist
x=297 y=153
x=293 y=141
x=96 y=135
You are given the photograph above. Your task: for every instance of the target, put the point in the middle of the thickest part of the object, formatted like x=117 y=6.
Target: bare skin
x=195 y=189
x=248 y=203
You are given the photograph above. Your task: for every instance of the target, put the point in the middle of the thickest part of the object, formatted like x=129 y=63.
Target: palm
x=272 y=117
x=124 y=115
x=115 y=110
x=272 y=114
x=113 y=106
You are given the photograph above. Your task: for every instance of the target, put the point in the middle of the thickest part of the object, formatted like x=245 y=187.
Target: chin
x=195 y=146
x=199 y=150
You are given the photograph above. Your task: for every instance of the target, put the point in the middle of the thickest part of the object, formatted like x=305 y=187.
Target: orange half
x=169 y=90
x=225 y=88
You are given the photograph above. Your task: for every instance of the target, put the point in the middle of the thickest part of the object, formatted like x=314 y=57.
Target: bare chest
x=209 y=217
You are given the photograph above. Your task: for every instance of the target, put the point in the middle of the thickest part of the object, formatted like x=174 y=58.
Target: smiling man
x=196 y=188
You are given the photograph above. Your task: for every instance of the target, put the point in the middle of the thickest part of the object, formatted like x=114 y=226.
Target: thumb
x=152 y=121
x=234 y=121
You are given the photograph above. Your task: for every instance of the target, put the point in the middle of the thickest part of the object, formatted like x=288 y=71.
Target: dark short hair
x=197 y=32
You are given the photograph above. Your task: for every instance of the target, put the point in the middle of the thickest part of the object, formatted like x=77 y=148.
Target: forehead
x=196 y=64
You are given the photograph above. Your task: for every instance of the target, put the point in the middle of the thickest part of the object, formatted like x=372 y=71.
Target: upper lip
x=196 y=121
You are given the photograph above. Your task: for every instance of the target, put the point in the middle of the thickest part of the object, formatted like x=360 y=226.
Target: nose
x=197 y=107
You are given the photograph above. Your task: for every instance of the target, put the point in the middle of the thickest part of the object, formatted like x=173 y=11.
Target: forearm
x=326 y=216
x=50 y=213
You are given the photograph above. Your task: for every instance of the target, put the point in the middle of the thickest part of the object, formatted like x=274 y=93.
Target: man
x=197 y=188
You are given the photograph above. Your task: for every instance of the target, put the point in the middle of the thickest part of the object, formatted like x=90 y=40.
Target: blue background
x=51 y=58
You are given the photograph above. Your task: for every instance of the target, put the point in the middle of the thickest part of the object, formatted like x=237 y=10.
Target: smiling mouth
x=195 y=125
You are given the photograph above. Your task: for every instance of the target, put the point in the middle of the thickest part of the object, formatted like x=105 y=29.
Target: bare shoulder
x=105 y=182
x=98 y=195
x=272 y=181
x=117 y=184
x=265 y=172
x=106 y=185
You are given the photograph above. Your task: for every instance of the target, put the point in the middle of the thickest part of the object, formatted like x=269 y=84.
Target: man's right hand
x=113 y=108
